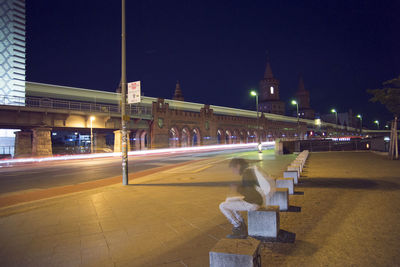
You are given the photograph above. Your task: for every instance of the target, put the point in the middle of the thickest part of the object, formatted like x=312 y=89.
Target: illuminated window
x=271 y=90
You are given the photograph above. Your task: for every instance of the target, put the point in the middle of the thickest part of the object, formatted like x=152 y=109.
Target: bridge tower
x=269 y=94
x=303 y=98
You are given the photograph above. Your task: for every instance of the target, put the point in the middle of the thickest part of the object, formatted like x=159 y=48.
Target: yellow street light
x=254 y=93
x=334 y=111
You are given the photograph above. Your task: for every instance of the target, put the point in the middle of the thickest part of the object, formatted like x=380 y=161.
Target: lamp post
x=360 y=117
x=294 y=102
x=91 y=133
x=254 y=93
x=334 y=111
x=377 y=123
x=123 y=100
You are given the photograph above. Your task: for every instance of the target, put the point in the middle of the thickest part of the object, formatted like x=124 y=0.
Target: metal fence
x=39 y=102
x=6 y=150
x=329 y=145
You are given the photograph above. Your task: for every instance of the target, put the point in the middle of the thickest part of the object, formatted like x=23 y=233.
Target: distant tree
x=389 y=96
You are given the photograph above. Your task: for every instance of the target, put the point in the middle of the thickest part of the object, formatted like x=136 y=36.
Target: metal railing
x=39 y=102
x=330 y=145
x=6 y=150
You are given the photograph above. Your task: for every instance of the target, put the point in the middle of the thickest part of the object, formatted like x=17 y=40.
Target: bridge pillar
x=41 y=142
x=23 y=144
x=99 y=142
x=118 y=141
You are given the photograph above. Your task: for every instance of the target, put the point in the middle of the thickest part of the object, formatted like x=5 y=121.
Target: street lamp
x=254 y=93
x=360 y=117
x=334 y=111
x=91 y=133
x=294 y=102
x=377 y=123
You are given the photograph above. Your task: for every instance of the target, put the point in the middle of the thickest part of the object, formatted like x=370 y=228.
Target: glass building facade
x=12 y=52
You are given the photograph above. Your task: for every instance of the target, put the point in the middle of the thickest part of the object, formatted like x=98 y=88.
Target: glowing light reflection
x=139 y=152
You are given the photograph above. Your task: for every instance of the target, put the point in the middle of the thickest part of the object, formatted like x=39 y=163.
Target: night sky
x=218 y=49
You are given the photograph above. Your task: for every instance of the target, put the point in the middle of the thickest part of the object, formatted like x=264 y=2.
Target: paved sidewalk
x=350 y=213
x=349 y=216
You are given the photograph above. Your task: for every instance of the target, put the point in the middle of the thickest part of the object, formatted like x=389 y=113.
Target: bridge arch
x=220 y=135
x=173 y=137
x=228 y=137
x=185 y=137
x=242 y=137
x=196 y=137
x=141 y=140
x=235 y=136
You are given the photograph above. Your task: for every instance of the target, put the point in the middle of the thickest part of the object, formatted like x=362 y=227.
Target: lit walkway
x=350 y=213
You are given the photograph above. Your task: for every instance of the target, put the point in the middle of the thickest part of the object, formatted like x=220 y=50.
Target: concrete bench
x=286 y=183
x=297 y=164
x=235 y=253
x=294 y=168
x=299 y=161
x=264 y=222
x=280 y=198
x=292 y=174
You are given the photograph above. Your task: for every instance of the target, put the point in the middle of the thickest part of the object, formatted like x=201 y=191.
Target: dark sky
x=217 y=49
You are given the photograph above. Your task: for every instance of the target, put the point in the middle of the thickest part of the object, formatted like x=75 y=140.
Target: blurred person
x=248 y=195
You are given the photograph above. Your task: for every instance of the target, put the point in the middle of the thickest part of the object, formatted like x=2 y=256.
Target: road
x=42 y=175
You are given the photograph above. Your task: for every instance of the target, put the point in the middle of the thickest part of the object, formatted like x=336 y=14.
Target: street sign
x=134 y=92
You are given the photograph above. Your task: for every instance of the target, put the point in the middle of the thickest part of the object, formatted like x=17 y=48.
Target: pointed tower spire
x=268 y=72
x=301 y=84
x=178 y=92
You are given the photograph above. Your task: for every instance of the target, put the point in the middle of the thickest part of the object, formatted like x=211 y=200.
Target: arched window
x=173 y=137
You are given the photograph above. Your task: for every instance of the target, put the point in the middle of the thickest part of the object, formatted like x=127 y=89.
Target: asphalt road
x=43 y=175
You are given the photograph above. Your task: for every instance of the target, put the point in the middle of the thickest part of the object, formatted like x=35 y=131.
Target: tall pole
x=258 y=128
x=298 y=131
x=360 y=117
x=123 y=101
x=258 y=124
x=91 y=135
x=294 y=102
x=336 y=118
x=334 y=111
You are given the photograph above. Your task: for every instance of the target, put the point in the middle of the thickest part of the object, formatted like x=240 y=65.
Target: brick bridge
x=154 y=123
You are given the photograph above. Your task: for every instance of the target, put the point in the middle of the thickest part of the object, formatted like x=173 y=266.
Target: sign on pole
x=134 y=92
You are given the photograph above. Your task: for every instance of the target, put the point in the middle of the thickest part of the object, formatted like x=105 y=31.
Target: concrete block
x=299 y=161
x=298 y=165
x=235 y=253
x=286 y=183
x=294 y=168
x=264 y=222
x=292 y=174
x=280 y=198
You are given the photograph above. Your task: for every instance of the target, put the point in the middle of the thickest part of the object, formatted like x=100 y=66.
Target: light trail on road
x=139 y=153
